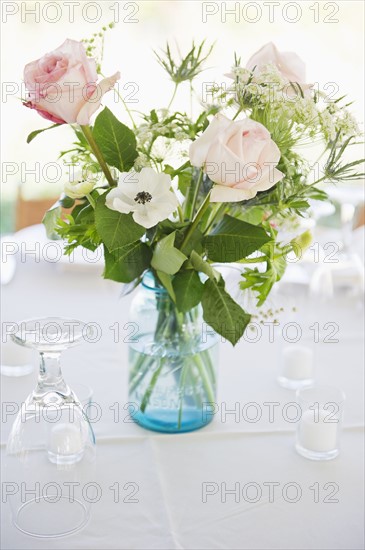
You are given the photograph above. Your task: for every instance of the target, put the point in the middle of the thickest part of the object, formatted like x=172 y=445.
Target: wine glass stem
x=50 y=374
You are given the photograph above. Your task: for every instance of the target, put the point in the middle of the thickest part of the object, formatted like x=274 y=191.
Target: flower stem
x=218 y=208
x=237 y=113
x=181 y=213
x=91 y=200
x=196 y=192
x=147 y=395
x=325 y=177
x=173 y=97
x=184 y=372
x=180 y=169
x=203 y=208
x=192 y=196
x=191 y=98
x=205 y=378
x=98 y=154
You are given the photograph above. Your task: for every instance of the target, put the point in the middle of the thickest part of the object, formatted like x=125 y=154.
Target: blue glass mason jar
x=173 y=363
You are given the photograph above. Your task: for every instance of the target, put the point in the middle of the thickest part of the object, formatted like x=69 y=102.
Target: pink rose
x=240 y=157
x=62 y=84
x=289 y=64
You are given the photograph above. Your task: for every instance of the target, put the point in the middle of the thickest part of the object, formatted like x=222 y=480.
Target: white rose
x=289 y=64
x=238 y=156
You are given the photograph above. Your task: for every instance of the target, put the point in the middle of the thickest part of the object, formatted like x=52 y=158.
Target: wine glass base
x=62 y=518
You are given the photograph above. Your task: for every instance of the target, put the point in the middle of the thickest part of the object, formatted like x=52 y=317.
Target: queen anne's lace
x=314 y=113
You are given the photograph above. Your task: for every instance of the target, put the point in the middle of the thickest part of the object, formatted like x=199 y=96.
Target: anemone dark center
x=142 y=197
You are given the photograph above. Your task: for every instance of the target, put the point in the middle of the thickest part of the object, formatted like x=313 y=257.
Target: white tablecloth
x=172 y=470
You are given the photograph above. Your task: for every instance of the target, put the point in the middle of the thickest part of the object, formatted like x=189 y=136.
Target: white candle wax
x=65 y=439
x=316 y=433
x=297 y=363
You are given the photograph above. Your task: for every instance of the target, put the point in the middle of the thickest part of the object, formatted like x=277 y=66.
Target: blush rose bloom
x=289 y=64
x=240 y=157
x=62 y=86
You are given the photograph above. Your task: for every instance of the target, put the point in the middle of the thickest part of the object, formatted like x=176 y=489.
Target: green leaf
x=78 y=231
x=66 y=202
x=202 y=266
x=222 y=313
x=170 y=170
x=234 y=239
x=116 y=230
x=188 y=289
x=262 y=282
x=82 y=139
x=184 y=180
x=77 y=209
x=167 y=226
x=166 y=257
x=301 y=243
x=127 y=263
x=253 y=215
x=34 y=134
x=153 y=116
x=50 y=221
x=184 y=176
x=85 y=214
x=115 y=140
x=195 y=241
x=166 y=280
x=299 y=204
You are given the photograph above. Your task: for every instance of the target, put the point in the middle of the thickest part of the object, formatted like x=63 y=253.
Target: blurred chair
x=359 y=216
x=31 y=212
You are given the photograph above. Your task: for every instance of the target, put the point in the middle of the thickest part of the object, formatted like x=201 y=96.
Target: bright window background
x=333 y=52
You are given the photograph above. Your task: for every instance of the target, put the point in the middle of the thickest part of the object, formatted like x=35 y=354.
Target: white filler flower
x=146 y=194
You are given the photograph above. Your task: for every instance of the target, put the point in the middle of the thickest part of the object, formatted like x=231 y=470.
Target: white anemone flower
x=146 y=194
x=79 y=185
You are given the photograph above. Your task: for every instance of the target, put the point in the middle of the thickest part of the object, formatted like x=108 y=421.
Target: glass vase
x=172 y=363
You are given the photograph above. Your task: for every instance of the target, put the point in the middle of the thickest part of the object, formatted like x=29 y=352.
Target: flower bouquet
x=171 y=196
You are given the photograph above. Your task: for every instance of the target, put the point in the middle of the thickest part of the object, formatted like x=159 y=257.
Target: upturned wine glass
x=51 y=448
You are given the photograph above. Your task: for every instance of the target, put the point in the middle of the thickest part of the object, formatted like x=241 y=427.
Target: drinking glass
x=50 y=457
x=342 y=273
